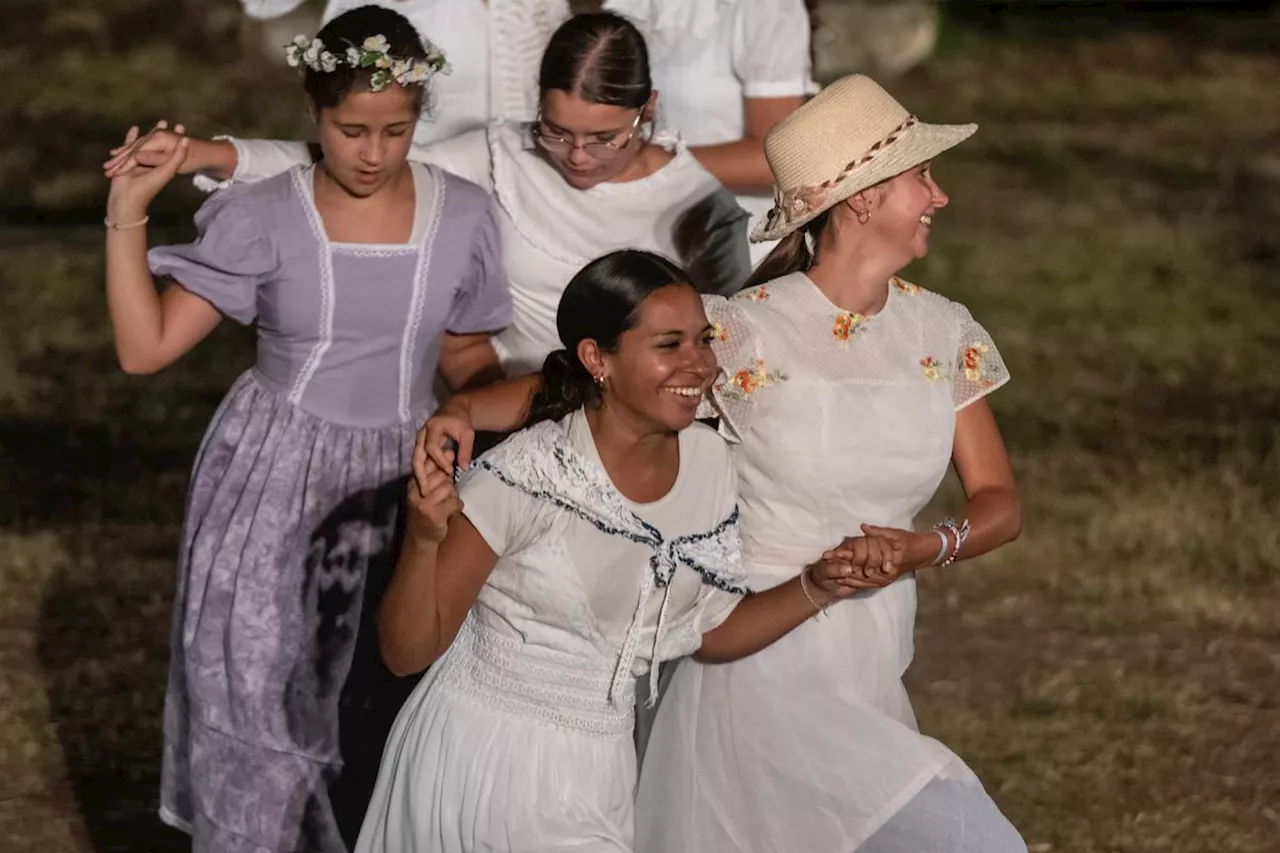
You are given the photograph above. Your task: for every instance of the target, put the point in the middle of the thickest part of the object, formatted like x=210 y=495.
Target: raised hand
x=133 y=189
x=148 y=151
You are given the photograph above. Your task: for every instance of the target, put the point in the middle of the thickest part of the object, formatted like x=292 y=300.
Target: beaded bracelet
x=959 y=531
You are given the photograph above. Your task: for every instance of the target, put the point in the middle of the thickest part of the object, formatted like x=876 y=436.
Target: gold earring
x=863 y=216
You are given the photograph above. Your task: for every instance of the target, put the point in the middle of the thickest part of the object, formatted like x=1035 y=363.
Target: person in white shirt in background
x=726 y=71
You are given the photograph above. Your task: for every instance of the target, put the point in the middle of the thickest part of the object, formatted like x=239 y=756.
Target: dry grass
x=1112 y=675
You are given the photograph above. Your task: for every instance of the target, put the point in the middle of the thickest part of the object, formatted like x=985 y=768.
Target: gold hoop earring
x=863 y=216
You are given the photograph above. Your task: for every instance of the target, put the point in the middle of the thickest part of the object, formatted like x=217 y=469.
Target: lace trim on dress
x=541 y=463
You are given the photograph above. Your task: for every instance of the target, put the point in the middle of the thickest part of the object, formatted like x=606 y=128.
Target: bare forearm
x=215 y=158
x=758 y=621
x=995 y=519
x=472 y=366
x=408 y=620
x=501 y=407
x=740 y=165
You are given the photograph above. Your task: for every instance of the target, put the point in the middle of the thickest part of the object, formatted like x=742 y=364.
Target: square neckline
x=426 y=184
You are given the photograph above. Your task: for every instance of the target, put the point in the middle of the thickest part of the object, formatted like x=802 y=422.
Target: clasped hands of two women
x=874 y=559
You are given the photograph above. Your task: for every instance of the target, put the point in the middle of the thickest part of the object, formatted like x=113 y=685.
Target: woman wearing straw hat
x=848 y=391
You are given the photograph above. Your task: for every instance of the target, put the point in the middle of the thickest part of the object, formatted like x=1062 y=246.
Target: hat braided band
x=799 y=202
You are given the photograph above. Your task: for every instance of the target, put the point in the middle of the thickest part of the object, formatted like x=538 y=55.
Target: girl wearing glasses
x=588 y=178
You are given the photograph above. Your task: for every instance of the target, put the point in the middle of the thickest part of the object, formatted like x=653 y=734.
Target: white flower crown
x=371 y=54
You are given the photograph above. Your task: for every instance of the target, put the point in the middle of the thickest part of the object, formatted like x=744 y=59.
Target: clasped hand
x=875 y=559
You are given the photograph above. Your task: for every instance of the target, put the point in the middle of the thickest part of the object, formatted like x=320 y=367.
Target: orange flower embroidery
x=932 y=369
x=973 y=361
x=759 y=293
x=905 y=286
x=847 y=324
x=718 y=333
x=749 y=380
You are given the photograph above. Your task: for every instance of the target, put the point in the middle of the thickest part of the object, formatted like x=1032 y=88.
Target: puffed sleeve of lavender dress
x=232 y=255
x=483 y=302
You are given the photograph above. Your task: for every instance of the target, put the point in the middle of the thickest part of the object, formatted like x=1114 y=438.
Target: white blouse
x=648 y=578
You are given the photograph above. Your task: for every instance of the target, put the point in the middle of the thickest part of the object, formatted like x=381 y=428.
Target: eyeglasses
x=559 y=145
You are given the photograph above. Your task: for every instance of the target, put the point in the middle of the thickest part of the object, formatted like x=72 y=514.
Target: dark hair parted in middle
x=350 y=29
x=599 y=57
x=600 y=303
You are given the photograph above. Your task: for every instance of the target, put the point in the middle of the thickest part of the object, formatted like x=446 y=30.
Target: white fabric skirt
x=808 y=745
x=493 y=753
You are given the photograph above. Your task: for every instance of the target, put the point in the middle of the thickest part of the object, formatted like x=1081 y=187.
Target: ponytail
x=791 y=254
x=566 y=387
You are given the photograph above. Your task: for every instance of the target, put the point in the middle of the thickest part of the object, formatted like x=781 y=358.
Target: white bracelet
x=942 y=552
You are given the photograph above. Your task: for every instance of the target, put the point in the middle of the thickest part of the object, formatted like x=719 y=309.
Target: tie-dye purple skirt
x=289 y=537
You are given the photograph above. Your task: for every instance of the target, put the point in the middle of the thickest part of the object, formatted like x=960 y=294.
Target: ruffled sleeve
x=979 y=368
x=738 y=349
x=770 y=49
x=232 y=256
x=483 y=303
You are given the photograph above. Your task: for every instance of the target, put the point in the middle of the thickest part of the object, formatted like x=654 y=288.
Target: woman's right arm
x=444 y=562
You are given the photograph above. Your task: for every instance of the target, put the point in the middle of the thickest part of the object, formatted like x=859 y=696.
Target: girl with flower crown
x=366 y=276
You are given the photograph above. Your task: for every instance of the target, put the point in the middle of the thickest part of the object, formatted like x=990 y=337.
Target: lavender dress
x=294 y=501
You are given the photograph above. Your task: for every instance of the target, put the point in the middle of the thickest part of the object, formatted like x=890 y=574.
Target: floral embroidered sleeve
x=743 y=367
x=979 y=369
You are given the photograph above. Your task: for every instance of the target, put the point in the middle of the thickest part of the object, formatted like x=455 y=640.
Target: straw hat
x=851 y=136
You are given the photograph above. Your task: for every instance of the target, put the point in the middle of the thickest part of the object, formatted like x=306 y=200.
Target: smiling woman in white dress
x=848 y=392
x=585 y=180
x=597 y=542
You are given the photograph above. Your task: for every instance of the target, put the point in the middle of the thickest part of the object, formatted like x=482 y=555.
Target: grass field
x=1114 y=676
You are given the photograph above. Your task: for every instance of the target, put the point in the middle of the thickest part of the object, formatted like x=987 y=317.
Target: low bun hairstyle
x=600 y=303
x=327 y=89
